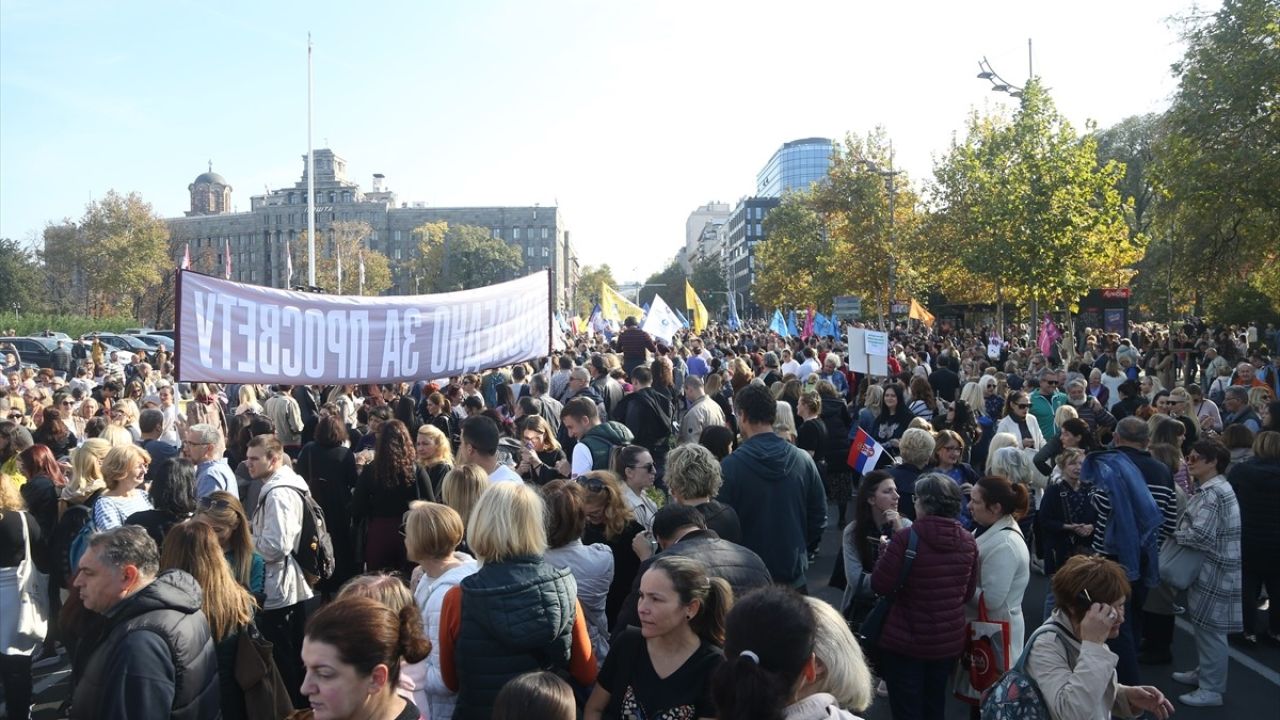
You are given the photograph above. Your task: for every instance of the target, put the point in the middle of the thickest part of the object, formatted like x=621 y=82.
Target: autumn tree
x=1024 y=207
x=338 y=256
x=461 y=257
x=109 y=259
x=1217 y=163
x=789 y=267
x=589 y=281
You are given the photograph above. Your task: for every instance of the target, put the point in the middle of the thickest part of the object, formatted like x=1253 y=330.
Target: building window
x=373 y=236
x=545 y=233
x=759 y=230
x=515 y=233
x=497 y=233
x=531 y=251
x=396 y=236
x=546 y=252
x=397 y=253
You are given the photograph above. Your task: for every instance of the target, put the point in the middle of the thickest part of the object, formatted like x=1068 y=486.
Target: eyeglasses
x=950 y=448
x=208 y=503
x=649 y=467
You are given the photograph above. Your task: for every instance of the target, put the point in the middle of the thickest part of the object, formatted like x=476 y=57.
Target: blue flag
x=779 y=325
x=793 y=330
x=683 y=320
x=820 y=327
x=645 y=307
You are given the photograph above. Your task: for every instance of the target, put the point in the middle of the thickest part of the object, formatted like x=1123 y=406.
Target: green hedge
x=73 y=325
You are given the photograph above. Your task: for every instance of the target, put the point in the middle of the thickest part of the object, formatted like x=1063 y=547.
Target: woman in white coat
x=431 y=533
x=1017 y=422
x=1004 y=563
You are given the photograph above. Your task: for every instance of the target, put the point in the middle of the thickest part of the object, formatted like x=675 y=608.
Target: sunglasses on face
x=1024 y=406
x=648 y=467
x=207 y=503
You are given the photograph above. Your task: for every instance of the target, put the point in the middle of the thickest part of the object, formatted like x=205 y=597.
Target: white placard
x=860 y=341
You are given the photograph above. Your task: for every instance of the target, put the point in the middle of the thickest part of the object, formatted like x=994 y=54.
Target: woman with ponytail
x=772 y=670
x=664 y=668
x=1005 y=563
x=353 y=650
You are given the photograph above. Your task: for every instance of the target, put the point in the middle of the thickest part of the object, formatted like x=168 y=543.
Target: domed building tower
x=210 y=194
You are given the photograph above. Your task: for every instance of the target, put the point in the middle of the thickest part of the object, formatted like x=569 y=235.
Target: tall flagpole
x=311 y=183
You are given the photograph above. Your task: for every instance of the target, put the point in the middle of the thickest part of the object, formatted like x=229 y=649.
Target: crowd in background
x=626 y=528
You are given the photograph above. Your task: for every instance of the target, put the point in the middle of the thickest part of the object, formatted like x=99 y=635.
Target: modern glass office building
x=795 y=166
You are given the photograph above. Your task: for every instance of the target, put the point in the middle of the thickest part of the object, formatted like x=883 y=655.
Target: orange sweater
x=582 y=658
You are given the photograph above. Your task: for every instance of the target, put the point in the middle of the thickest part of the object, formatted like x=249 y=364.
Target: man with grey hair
x=1130 y=440
x=155 y=657
x=204 y=446
x=703 y=412
x=831 y=373
x=549 y=407
x=1237 y=411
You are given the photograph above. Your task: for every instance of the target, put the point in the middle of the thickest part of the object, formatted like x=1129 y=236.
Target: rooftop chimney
x=377 y=182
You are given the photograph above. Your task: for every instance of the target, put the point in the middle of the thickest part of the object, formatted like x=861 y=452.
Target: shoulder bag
x=25 y=590
x=1179 y=564
x=873 y=624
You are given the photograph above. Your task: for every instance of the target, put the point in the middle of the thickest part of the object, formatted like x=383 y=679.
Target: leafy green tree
x=589 y=281
x=461 y=257
x=1218 y=159
x=789 y=272
x=1029 y=211
x=21 y=278
x=117 y=252
x=347 y=241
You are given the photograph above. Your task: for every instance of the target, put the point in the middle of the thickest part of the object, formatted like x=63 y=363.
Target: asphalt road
x=1253 y=679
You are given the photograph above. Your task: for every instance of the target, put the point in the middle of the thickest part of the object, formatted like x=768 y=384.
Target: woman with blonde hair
x=192 y=546
x=86 y=472
x=462 y=488
x=500 y=639
x=117 y=436
x=391 y=592
x=432 y=535
x=223 y=512
x=124 y=414
x=86 y=410
x=434 y=455
x=870 y=406
x=693 y=477
x=123 y=470
x=840 y=669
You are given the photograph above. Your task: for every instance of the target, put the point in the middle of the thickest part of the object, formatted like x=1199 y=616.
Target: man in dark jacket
x=681 y=530
x=775 y=488
x=594 y=440
x=155 y=658
x=648 y=414
x=635 y=345
x=608 y=388
x=60 y=360
x=580 y=387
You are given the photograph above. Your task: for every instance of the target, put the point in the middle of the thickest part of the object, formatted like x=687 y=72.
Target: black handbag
x=873 y=624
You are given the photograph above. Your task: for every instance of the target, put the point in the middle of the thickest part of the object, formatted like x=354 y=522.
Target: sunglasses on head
x=207 y=503
x=592 y=484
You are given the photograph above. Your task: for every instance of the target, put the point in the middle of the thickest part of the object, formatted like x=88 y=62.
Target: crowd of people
x=626 y=529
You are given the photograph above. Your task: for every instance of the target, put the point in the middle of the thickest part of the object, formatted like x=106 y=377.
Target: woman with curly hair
x=611 y=521
x=382 y=496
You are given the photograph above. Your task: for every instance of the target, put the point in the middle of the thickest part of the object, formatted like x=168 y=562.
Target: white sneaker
x=1190 y=677
x=1201 y=698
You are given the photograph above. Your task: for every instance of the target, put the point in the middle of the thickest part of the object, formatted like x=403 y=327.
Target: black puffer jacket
x=1257 y=486
x=157 y=633
x=517 y=617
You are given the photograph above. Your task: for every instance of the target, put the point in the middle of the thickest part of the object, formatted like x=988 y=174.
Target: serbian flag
x=864 y=452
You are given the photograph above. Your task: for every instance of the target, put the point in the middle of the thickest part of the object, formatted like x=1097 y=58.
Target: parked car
x=32 y=350
x=124 y=345
x=138 y=331
x=158 y=341
x=162 y=333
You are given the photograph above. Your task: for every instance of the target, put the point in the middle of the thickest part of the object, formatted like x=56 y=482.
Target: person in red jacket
x=923 y=635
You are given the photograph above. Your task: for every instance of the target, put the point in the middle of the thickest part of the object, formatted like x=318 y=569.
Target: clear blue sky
x=629 y=114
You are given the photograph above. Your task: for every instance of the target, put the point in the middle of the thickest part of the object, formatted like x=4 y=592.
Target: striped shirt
x=1162 y=490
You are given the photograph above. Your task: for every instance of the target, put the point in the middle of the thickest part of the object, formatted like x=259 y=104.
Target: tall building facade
x=258 y=239
x=795 y=166
x=694 y=227
x=745 y=232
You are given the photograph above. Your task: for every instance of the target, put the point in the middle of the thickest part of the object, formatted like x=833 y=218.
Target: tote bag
x=1179 y=564
x=985 y=657
x=26 y=589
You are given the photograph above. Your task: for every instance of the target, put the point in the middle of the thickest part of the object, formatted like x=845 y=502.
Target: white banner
x=235 y=333
x=868 y=351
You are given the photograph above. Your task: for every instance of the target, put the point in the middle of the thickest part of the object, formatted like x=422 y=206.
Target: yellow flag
x=697 y=311
x=613 y=306
x=917 y=312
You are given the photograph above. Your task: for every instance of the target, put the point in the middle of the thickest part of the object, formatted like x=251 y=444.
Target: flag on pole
x=734 y=323
x=661 y=322
x=227 y=256
x=596 y=322
x=808 y=325
x=779 y=325
x=792 y=329
x=696 y=309
x=822 y=326
x=918 y=312
x=1049 y=334
x=645 y=308
x=684 y=321
x=616 y=307
x=186 y=258
x=864 y=452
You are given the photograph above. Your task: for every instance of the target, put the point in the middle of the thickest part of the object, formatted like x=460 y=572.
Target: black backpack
x=315 y=546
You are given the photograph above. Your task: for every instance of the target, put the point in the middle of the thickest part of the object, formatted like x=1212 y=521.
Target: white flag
x=661 y=322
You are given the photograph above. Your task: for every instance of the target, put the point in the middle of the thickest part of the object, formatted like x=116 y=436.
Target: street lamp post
x=999 y=84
